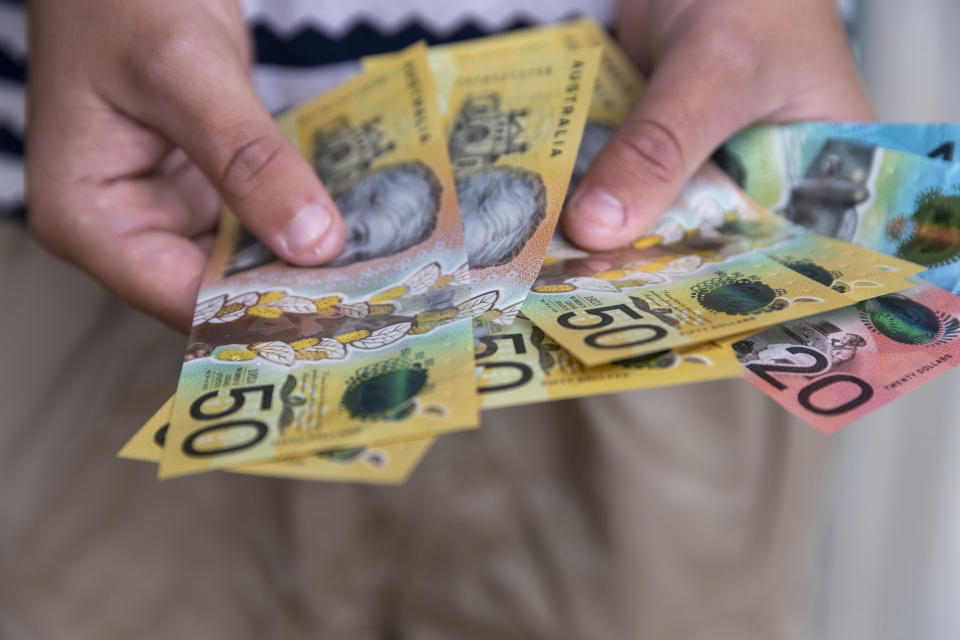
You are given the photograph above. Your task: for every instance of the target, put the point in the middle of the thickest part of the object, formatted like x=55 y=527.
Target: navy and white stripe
x=306 y=46
x=13 y=74
x=303 y=48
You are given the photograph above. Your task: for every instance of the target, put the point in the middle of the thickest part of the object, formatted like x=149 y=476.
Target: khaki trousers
x=682 y=513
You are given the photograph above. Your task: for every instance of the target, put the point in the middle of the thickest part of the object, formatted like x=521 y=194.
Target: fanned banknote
x=934 y=140
x=514 y=109
x=607 y=306
x=513 y=127
x=376 y=347
x=900 y=204
x=698 y=288
x=451 y=165
x=616 y=76
x=617 y=88
x=850 y=269
x=386 y=464
x=833 y=368
x=520 y=364
x=700 y=275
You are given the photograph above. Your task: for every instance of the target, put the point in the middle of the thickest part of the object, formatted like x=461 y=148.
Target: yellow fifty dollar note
x=617 y=86
x=386 y=464
x=713 y=281
x=374 y=347
x=520 y=364
x=513 y=126
x=612 y=305
x=514 y=109
x=858 y=272
x=698 y=275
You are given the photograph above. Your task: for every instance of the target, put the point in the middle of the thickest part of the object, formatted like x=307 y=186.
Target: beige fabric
x=683 y=513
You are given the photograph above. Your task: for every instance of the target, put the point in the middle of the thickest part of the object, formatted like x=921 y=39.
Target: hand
x=141 y=117
x=714 y=66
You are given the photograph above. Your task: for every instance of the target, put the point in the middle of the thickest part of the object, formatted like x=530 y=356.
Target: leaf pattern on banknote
x=477 y=305
x=208 y=309
x=682 y=265
x=592 y=284
x=508 y=315
x=235 y=307
x=354 y=309
x=383 y=337
x=295 y=304
x=276 y=352
x=461 y=276
x=422 y=280
x=326 y=348
x=640 y=280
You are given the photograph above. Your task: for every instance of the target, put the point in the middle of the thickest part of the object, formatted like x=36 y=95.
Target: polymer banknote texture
x=520 y=364
x=386 y=464
x=513 y=127
x=833 y=368
x=284 y=361
x=702 y=274
x=901 y=204
x=797 y=265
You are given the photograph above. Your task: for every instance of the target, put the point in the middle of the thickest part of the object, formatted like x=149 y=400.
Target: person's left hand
x=714 y=66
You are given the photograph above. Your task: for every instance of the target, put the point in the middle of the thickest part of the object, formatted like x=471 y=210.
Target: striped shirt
x=303 y=47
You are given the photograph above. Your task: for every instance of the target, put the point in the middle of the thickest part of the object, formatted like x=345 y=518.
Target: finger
x=212 y=112
x=180 y=177
x=130 y=237
x=177 y=199
x=154 y=271
x=684 y=114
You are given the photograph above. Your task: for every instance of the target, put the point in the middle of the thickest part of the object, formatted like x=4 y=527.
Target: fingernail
x=303 y=234
x=599 y=207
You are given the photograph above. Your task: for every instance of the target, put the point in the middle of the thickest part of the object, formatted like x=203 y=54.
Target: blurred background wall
x=890 y=550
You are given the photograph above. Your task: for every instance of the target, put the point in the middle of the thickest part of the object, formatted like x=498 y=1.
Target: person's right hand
x=141 y=118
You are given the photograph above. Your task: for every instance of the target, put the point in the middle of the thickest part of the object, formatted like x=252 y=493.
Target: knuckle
x=651 y=148
x=248 y=158
x=729 y=49
x=162 y=56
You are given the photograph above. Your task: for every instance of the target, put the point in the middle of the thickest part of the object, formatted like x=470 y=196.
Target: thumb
x=212 y=112
x=687 y=110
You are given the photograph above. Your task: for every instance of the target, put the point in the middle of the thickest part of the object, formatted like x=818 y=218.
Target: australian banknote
x=616 y=75
x=457 y=68
x=617 y=87
x=605 y=306
x=701 y=275
x=375 y=347
x=664 y=288
x=833 y=368
x=520 y=364
x=513 y=127
x=857 y=272
x=386 y=464
x=902 y=204
x=934 y=140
